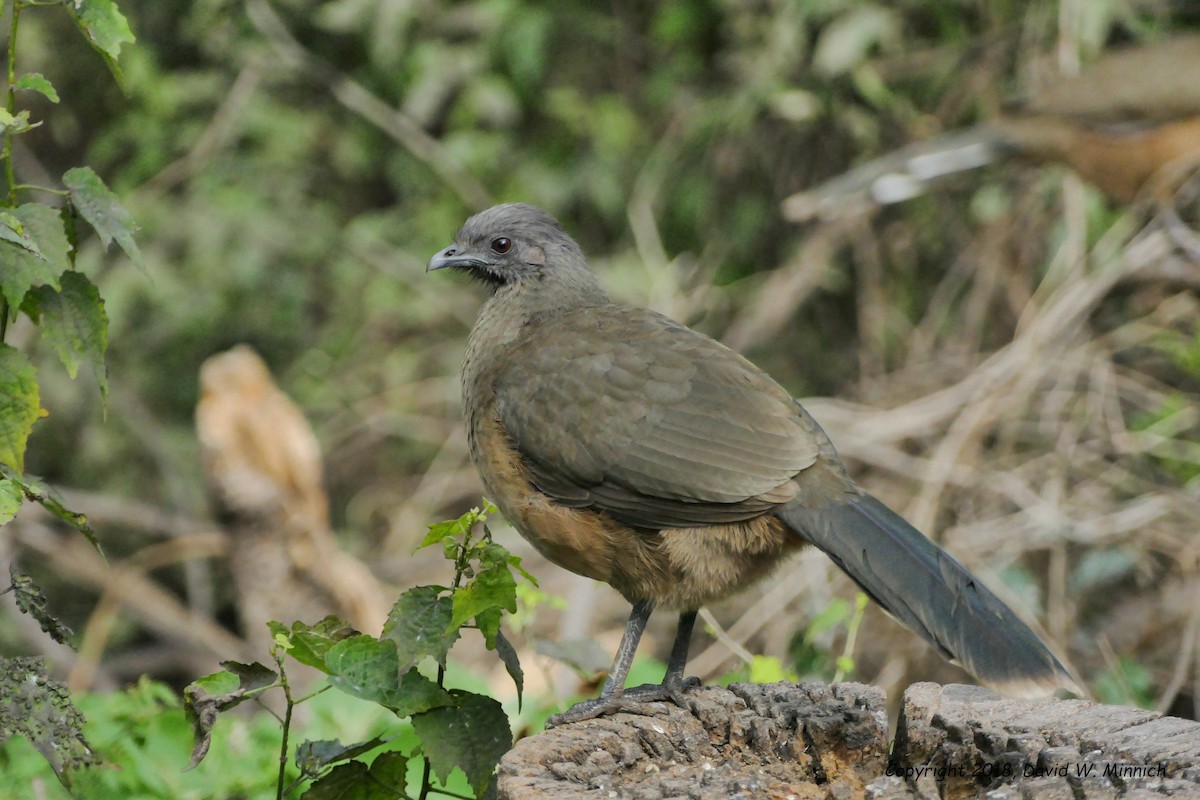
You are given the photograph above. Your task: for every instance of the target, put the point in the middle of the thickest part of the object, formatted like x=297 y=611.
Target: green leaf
x=368 y=668
x=310 y=643
x=313 y=757
x=769 y=669
x=492 y=588
x=444 y=530
x=20 y=268
x=472 y=735
x=43 y=495
x=11 y=230
x=830 y=617
x=488 y=622
x=40 y=709
x=106 y=29
x=205 y=698
x=102 y=210
x=73 y=321
x=31 y=601
x=20 y=406
x=16 y=124
x=419 y=624
x=365 y=667
x=35 y=82
x=457 y=527
x=252 y=676
x=512 y=664
x=417 y=694
x=10 y=500
x=383 y=780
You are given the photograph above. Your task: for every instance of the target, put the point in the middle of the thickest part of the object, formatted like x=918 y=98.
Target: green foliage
x=810 y=650
x=456 y=730
x=38 y=278
x=104 y=27
x=37 y=250
x=36 y=491
x=141 y=735
x=20 y=406
x=30 y=600
x=100 y=207
x=72 y=319
x=40 y=709
x=1126 y=682
x=420 y=624
x=1173 y=436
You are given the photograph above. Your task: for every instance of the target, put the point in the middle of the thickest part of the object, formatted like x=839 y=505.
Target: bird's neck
x=515 y=306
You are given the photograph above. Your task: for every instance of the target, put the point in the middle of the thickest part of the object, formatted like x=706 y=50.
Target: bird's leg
x=674 y=682
x=674 y=685
x=610 y=696
x=614 y=696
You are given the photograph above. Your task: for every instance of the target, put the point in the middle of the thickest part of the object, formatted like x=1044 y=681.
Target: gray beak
x=453 y=257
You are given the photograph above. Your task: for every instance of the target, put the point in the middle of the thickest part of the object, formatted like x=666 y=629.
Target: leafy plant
x=455 y=730
x=810 y=659
x=38 y=279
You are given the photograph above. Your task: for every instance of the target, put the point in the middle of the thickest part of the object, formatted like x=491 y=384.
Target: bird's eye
x=502 y=245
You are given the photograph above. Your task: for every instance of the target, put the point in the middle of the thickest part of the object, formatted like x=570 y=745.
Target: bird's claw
x=631 y=701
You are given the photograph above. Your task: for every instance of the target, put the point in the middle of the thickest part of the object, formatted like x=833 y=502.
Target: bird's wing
x=624 y=410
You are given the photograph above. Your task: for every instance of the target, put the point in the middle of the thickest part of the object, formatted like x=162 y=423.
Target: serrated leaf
x=419 y=624
x=21 y=268
x=310 y=643
x=488 y=622
x=36 y=82
x=456 y=527
x=368 y=668
x=16 y=123
x=20 y=405
x=364 y=667
x=12 y=230
x=313 y=757
x=472 y=735
x=417 y=694
x=492 y=588
x=442 y=530
x=105 y=28
x=10 y=500
x=103 y=211
x=74 y=322
x=31 y=601
x=40 y=709
x=252 y=676
x=38 y=492
x=383 y=780
x=204 y=698
x=512 y=664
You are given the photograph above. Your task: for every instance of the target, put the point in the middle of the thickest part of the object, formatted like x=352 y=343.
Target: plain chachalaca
x=636 y=451
x=1127 y=119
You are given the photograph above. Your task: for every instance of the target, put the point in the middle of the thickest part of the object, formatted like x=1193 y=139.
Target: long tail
x=926 y=589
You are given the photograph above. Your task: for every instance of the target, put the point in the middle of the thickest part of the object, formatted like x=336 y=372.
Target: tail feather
x=925 y=588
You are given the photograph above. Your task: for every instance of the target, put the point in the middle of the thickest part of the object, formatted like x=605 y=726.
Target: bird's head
x=516 y=244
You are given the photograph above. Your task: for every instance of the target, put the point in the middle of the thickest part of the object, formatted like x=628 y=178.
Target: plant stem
x=11 y=103
x=460 y=568
x=287 y=723
x=441 y=682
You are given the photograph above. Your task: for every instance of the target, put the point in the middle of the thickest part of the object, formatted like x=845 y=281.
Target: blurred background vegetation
x=1008 y=370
